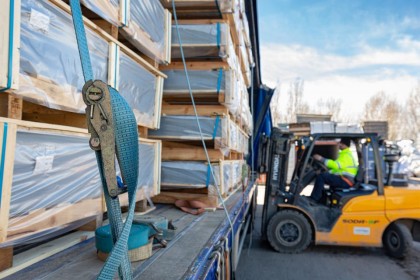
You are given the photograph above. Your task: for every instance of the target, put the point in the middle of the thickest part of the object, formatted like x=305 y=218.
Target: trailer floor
x=173 y=262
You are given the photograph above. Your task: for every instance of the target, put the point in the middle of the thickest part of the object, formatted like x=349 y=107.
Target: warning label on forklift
x=361 y=231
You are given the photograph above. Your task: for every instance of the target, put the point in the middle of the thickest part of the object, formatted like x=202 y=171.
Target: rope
x=198 y=121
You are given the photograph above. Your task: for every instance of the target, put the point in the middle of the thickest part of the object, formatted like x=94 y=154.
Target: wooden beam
x=202 y=110
x=7 y=144
x=37 y=113
x=6 y=258
x=192 y=154
x=46 y=250
x=196 y=65
x=10 y=106
x=171 y=197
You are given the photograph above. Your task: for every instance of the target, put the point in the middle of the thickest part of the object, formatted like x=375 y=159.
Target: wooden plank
x=46 y=219
x=88 y=23
x=14 y=107
x=7 y=156
x=196 y=65
x=170 y=198
x=188 y=110
x=6 y=258
x=46 y=250
x=158 y=102
x=191 y=154
x=10 y=106
x=143 y=131
x=168 y=37
x=26 y=125
x=37 y=113
x=92 y=225
x=10 y=46
x=107 y=27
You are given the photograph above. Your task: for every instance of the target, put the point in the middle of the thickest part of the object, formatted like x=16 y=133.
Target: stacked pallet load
x=49 y=180
x=218 y=65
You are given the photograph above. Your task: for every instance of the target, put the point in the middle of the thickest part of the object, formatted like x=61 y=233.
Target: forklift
x=371 y=213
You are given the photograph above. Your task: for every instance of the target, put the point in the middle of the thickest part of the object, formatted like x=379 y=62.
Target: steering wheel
x=318 y=165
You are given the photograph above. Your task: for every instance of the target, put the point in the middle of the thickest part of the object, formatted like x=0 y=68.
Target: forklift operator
x=342 y=171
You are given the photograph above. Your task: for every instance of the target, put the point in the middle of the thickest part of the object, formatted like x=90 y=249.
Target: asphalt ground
x=259 y=261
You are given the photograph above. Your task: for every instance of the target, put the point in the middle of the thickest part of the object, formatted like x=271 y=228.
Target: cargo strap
x=114 y=135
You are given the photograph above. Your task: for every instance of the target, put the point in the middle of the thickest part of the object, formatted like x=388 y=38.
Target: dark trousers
x=334 y=181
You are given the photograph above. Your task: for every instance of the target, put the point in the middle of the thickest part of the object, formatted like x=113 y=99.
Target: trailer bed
x=186 y=256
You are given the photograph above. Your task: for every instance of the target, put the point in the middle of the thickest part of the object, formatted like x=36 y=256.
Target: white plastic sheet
x=107 y=9
x=146 y=28
x=54 y=172
x=50 y=69
x=138 y=87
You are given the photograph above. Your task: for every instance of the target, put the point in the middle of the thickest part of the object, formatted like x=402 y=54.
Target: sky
x=349 y=49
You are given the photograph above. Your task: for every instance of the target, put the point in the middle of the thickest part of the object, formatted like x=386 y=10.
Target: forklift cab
x=366 y=214
x=283 y=153
x=326 y=145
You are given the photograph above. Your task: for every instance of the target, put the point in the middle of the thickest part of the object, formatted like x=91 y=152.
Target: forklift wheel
x=397 y=240
x=289 y=232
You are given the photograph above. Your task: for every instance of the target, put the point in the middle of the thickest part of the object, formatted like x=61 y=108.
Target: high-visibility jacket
x=344 y=165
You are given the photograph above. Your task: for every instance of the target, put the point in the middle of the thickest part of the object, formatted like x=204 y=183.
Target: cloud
x=285 y=62
x=354 y=79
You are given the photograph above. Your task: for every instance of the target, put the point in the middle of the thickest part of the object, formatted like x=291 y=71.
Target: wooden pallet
x=38 y=220
x=26 y=86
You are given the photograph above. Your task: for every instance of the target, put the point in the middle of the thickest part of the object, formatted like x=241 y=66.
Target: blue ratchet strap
x=218 y=39
x=219 y=80
x=127 y=155
x=11 y=34
x=3 y=157
x=216 y=127
x=208 y=175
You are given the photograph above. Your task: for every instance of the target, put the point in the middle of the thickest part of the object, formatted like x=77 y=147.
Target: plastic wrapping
x=201 y=40
x=50 y=68
x=189 y=175
x=197 y=175
x=44 y=184
x=138 y=87
x=204 y=83
x=56 y=185
x=146 y=29
x=106 y=9
x=186 y=128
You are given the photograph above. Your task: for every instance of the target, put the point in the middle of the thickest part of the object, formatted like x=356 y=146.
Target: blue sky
x=350 y=49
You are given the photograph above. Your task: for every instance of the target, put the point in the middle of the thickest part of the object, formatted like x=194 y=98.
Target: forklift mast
x=273 y=161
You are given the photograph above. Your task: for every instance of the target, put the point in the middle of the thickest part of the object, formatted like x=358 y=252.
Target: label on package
x=39 y=21
x=43 y=164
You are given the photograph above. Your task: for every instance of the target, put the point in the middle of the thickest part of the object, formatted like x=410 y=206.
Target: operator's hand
x=318 y=157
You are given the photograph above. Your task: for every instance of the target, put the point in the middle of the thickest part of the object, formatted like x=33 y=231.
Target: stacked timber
x=49 y=177
x=213 y=42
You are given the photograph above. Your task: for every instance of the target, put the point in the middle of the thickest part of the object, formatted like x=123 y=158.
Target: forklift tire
x=289 y=232
x=397 y=241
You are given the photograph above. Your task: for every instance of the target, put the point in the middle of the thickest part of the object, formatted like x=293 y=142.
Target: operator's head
x=344 y=143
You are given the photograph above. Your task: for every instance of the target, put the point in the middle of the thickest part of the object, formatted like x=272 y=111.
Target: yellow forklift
x=372 y=212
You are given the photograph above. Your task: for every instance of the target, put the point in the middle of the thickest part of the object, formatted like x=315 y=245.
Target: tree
x=331 y=107
x=296 y=104
x=382 y=107
x=285 y=107
x=412 y=119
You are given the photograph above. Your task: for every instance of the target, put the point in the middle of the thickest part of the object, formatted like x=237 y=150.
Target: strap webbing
x=219 y=80
x=79 y=28
x=127 y=154
x=216 y=127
